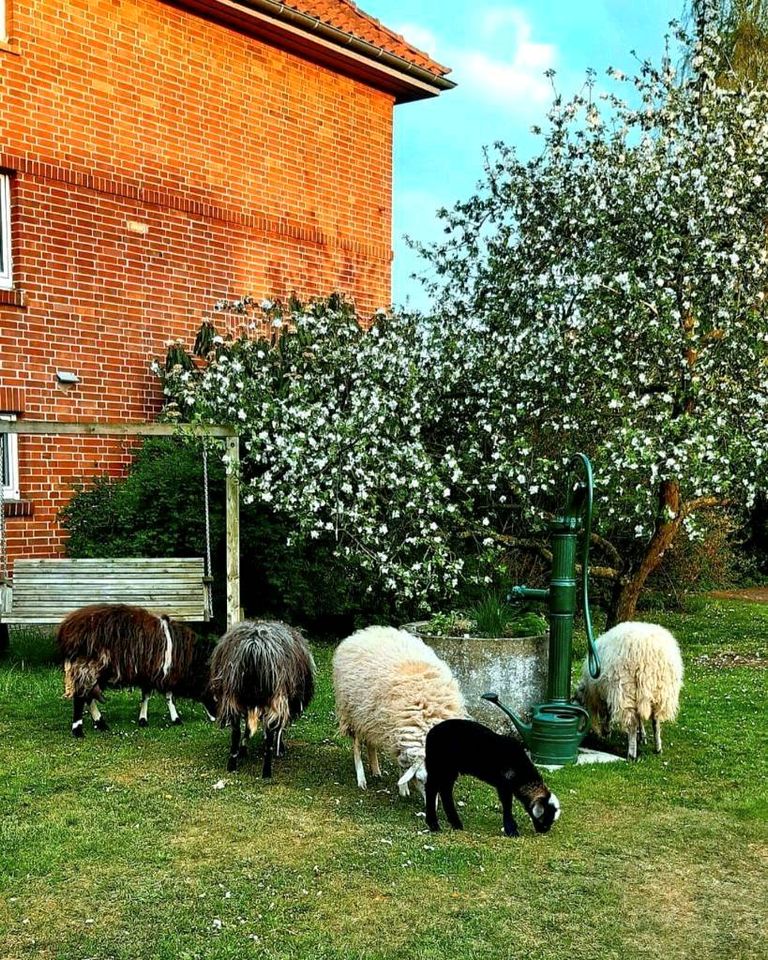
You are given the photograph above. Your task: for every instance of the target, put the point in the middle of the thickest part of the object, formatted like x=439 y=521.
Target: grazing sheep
x=115 y=645
x=261 y=670
x=464 y=746
x=391 y=689
x=641 y=677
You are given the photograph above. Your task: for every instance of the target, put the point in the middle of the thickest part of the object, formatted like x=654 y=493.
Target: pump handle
x=580 y=501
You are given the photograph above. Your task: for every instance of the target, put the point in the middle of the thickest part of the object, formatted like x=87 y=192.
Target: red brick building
x=156 y=155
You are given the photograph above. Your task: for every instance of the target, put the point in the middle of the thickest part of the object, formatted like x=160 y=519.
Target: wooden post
x=233 y=529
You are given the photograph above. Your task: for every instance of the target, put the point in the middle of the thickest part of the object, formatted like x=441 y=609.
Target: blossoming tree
x=621 y=277
x=607 y=296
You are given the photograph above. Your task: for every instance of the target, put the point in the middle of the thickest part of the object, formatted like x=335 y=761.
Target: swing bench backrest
x=45 y=591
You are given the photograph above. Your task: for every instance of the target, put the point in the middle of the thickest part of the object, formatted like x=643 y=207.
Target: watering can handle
x=585 y=717
x=592 y=658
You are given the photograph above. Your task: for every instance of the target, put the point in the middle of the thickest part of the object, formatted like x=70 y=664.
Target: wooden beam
x=114 y=428
x=232 y=445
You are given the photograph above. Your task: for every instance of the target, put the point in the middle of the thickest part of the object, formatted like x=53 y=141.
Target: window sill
x=12 y=298
x=18 y=508
x=9 y=46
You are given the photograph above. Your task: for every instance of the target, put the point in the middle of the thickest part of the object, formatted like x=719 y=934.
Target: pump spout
x=524 y=729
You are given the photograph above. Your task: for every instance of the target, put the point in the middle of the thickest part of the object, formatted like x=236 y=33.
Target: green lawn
x=120 y=846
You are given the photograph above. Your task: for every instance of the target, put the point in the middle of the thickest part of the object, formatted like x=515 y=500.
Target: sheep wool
x=391 y=689
x=116 y=645
x=640 y=679
x=261 y=670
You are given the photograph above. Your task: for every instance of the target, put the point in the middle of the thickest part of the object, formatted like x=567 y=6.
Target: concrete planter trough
x=513 y=667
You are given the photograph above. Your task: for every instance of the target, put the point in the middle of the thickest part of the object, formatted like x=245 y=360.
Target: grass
x=121 y=845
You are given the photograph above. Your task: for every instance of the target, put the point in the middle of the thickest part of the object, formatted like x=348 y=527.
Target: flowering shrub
x=331 y=417
x=607 y=296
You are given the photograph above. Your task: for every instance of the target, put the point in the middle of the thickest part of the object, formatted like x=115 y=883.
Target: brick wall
x=160 y=162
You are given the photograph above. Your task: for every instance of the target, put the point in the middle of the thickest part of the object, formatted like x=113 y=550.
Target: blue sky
x=498 y=53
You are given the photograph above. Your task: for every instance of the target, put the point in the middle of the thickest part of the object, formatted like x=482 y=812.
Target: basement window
x=9 y=457
x=6 y=279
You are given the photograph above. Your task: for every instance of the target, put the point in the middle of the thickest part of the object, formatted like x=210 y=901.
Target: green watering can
x=558 y=725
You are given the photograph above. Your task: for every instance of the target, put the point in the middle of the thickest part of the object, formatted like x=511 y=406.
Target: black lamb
x=463 y=746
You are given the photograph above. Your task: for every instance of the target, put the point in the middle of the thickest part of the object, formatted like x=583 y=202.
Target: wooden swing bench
x=45 y=591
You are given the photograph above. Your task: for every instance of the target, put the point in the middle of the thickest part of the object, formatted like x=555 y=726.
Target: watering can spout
x=524 y=729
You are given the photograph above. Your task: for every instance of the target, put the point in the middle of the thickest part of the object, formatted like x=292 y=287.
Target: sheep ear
x=408 y=775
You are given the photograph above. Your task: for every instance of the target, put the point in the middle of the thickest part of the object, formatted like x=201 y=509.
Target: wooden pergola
x=120 y=429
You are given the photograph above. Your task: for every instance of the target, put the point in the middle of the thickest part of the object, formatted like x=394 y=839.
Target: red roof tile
x=346 y=16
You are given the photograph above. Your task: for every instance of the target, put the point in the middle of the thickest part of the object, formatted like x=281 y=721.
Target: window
x=3 y=21
x=5 y=229
x=9 y=458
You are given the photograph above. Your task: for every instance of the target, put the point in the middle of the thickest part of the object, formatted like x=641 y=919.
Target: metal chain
x=3 y=543
x=208 y=577
x=207 y=512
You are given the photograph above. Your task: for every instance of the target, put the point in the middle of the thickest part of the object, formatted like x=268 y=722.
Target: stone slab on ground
x=587 y=756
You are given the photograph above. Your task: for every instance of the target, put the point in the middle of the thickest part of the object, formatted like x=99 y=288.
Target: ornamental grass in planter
x=492 y=647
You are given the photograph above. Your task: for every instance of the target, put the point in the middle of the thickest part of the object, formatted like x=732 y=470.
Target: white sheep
x=391 y=689
x=641 y=677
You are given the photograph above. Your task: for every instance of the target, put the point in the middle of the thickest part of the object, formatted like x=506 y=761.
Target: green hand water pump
x=558 y=726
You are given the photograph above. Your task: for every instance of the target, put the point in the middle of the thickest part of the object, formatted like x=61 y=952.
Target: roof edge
x=409 y=81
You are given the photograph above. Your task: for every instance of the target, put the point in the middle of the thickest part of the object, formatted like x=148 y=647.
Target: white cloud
x=420 y=37
x=515 y=79
x=518 y=84
x=502 y=65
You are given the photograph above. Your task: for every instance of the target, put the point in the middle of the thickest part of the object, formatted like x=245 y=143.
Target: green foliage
x=491 y=617
x=528 y=625
x=158 y=510
x=743 y=27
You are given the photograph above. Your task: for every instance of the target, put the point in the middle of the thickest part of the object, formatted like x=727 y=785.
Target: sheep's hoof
x=511 y=832
x=143 y=722
x=100 y=724
x=177 y=722
x=434 y=827
x=232 y=765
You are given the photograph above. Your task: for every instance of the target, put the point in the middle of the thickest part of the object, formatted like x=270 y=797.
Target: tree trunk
x=628 y=587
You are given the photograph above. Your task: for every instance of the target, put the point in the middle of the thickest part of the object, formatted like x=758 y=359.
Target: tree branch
x=508 y=541
x=608 y=548
x=703 y=503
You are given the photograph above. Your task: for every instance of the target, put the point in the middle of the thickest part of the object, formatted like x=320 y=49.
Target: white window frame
x=11 y=482
x=6 y=265
x=3 y=22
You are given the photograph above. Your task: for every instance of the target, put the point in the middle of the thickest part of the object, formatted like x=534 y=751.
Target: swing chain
x=208 y=566
x=3 y=542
